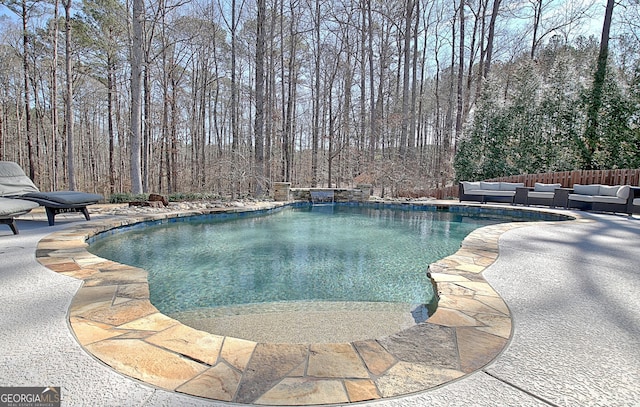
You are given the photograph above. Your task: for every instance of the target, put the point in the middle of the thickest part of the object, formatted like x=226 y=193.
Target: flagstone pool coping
x=112 y=318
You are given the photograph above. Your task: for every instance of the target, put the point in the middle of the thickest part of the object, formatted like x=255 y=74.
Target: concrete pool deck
x=571 y=288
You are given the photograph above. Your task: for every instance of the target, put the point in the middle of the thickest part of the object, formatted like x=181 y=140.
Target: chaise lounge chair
x=10 y=208
x=14 y=183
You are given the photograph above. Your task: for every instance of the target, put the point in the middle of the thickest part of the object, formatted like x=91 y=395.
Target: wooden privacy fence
x=565 y=178
x=568 y=178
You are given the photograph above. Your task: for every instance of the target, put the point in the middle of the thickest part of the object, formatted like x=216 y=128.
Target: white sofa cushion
x=488 y=192
x=623 y=192
x=537 y=194
x=606 y=190
x=586 y=189
x=510 y=186
x=490 y=186
x=497 y=193
x=469 y=186
x=597 y=198
x=540 y=187
x=581 y=197
x=609 y=199
x=636 y=202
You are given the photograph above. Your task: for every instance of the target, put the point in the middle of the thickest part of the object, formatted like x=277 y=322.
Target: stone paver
x=220 y=383
x=335 y=360
x=146 y=362
x=375 y=356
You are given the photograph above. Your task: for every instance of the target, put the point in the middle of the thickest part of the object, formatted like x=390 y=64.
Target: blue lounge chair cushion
x=62 y=199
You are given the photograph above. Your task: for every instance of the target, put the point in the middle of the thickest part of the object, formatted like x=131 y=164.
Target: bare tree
x=595 y=102
x=69 y=96
x=459 y=86
x=136 y=96
x=316 y=98
x=27 y=100
x=549 y=17
x=408 y=19
x=54 y=98
x=259 y=119
x=490 y=37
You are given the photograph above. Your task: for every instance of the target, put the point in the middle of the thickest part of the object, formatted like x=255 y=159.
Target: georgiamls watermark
x=29 y=396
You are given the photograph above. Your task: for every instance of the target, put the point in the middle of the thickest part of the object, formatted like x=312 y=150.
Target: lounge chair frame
x=8 y=216
x=19 y=186
x=12 y=223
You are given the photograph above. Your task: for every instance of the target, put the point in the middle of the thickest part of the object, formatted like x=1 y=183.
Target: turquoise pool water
x=326 y=253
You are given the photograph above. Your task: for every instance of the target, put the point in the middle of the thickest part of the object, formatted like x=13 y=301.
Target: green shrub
x=127 y=197
x=192 y=196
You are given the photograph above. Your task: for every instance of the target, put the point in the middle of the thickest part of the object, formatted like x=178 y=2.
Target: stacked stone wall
x=359 y=194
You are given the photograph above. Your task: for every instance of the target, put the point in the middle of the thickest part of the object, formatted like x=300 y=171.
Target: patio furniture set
x=592 y=197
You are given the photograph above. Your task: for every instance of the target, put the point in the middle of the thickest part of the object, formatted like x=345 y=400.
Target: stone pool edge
x=113 y=320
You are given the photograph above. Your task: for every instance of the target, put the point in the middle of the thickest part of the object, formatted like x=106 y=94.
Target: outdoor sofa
x=484 y=191
x=603 y=198
x=11 y=208
x=15 y=184
x=542 y=194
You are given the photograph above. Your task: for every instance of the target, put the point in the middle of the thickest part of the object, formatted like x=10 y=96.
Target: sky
x=593 y=27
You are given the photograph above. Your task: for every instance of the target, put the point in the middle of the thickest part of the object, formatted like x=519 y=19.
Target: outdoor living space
x=556 y=298
x=378 y=203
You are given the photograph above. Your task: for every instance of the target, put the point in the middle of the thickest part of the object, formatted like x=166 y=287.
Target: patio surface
x=571 y=288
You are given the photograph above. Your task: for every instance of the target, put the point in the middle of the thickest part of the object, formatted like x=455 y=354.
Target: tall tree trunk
x=288 y=139
x=373 y=109
x=234 y=81
x=270 y=92
x=111 y=90
x=595 y=104
x=450 y=100
x=146 y=122
x=27 y=99
x=363 y=90
x=490 y=36
x=408 y=18
x=167 y=72
x=54 y=100
x=472 y=57
x=174 y=134
x=2 y=132
x=259 y=119
x=69 y=105
x=460 y=82
x=411 y=137
x=330 y=154
x=316 y=100
x=202 y=117
x=136 y=96
x=284 y=140
x=537 y=14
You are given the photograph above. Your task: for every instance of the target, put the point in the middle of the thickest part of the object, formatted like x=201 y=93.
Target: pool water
x=321 y=253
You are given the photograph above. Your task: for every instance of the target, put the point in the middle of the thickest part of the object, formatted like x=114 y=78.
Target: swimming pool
x=334 y=253
x=112 y=318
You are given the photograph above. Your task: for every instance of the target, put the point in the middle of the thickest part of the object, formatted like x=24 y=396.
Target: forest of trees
x=227 y=97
